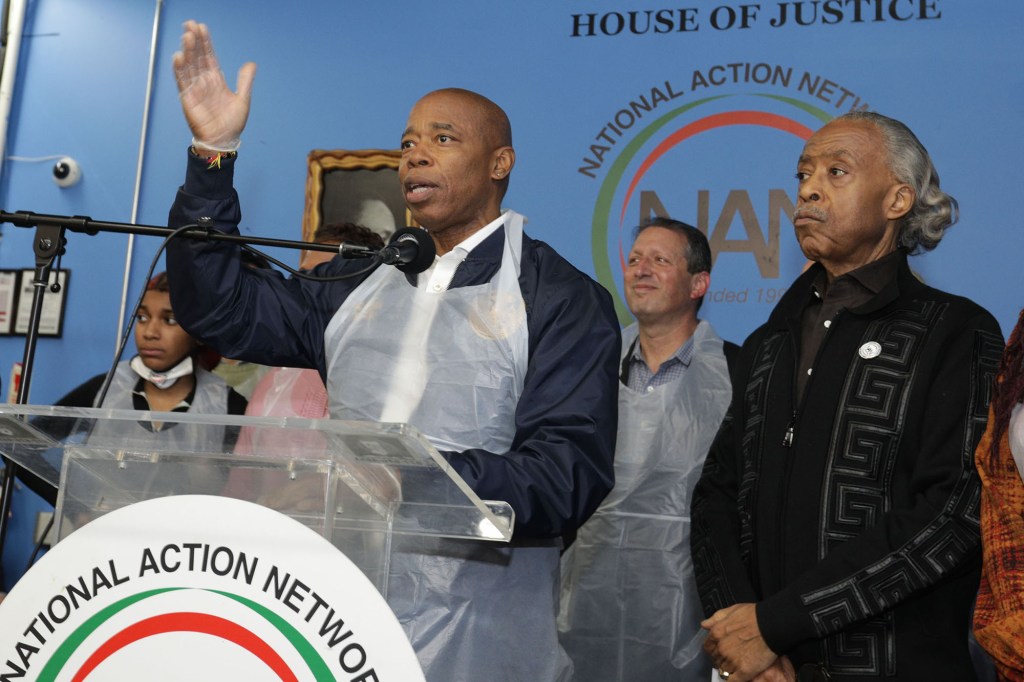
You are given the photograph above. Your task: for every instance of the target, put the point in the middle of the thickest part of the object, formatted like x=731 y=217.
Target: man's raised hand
x=215 y=114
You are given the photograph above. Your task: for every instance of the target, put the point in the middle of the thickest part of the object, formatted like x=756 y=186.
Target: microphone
x=411 y=250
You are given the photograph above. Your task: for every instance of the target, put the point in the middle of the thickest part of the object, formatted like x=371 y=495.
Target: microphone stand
x=50 y=242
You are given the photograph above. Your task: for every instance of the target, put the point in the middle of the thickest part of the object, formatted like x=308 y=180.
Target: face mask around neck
x=164 y=379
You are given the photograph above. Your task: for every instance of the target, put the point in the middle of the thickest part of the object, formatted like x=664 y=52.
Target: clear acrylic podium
x=356 y=483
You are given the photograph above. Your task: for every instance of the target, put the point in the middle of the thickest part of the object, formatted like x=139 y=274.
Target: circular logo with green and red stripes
x=724 y=163
x=196 y=587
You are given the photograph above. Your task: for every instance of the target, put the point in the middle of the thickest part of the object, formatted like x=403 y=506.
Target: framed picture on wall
x=354 y=186
x=16 y=294
x=8 y=295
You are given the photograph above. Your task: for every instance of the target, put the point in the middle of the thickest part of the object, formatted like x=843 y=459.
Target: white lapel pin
x=871 y=349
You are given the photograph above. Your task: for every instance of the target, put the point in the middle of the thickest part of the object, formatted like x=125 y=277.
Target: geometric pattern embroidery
x=712 y=586
x=856 y=494
x=755 y=404
x=862 y=453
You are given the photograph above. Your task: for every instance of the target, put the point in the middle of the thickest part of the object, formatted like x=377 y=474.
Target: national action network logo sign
x=717 y=149
x=199 y=588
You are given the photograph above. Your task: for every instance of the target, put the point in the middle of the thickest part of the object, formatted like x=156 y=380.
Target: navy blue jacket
x=560 y=465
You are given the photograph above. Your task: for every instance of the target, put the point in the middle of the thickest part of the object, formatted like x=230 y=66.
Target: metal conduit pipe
x=123 y=308
x=14 y=23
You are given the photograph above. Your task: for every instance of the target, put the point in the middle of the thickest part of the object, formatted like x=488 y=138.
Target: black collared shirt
x=141 y=402
x=847 y=291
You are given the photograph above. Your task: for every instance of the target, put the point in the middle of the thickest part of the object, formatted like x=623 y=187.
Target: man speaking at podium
x=501 y=353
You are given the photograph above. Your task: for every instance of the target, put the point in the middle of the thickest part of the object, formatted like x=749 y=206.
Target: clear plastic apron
x=453 y=365
x=1017 y=437
x=630 y=609
x=211 y=397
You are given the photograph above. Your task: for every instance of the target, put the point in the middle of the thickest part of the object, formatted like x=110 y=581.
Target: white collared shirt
x=438 y=276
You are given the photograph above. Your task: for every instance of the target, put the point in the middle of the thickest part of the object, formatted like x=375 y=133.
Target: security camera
x=66 y=172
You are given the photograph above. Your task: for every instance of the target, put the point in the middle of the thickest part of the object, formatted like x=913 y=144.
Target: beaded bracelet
x=213 y=160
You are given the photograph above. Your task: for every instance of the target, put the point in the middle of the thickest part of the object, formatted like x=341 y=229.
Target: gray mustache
x=809 y=212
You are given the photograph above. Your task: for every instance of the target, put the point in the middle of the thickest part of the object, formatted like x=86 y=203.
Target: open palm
x=214 y=113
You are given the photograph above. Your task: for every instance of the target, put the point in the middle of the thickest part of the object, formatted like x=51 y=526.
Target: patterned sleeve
x=917 y=544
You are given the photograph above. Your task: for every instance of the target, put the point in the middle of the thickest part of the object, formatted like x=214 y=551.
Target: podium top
x=398 y=477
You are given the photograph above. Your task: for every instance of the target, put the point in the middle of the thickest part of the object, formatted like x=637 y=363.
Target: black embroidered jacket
x=851 y=516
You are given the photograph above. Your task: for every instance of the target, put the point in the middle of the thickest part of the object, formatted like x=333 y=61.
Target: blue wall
x=343 y=74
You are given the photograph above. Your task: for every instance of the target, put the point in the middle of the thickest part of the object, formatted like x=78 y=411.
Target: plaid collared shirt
x=638 y=376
